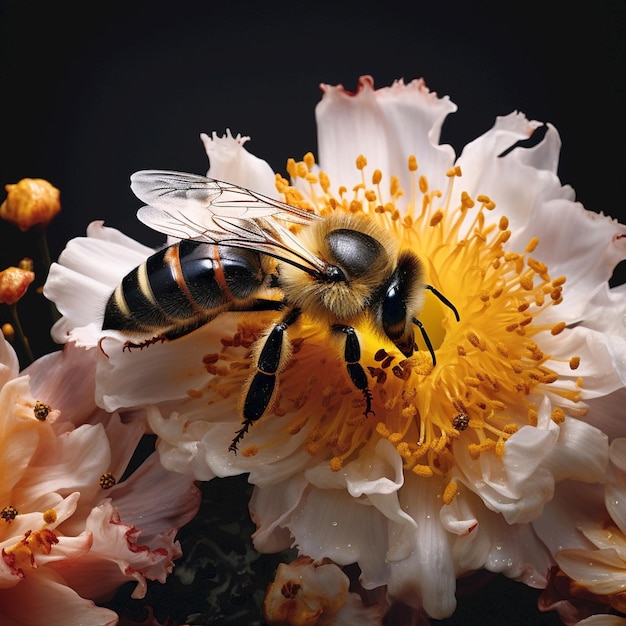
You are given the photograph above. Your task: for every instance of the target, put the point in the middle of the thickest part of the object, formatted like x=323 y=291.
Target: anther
x=449 y=492
x=574 y=362
x=41 y=410
x=361 y=162
x=422 y=470
x=9 y=513
x=412 y=163
x=558 y=328
x=107 y=480
x=436 y=218
x=532 y=244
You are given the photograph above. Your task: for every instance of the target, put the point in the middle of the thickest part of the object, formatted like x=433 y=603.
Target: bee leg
x=352 y=356
x=272 y=358
x=130 y=345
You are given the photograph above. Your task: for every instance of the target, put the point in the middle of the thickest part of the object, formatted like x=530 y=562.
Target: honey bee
x=237 y=246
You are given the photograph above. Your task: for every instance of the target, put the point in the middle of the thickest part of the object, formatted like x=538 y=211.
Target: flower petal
x=386 y=126
x=231 y=162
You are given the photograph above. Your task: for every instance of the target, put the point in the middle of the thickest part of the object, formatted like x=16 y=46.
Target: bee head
x=355 y=257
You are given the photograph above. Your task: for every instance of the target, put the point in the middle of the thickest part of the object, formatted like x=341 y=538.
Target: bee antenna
x=444 y=300
x=426 y=339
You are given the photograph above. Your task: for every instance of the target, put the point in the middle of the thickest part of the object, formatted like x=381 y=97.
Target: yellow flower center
x=490 y=367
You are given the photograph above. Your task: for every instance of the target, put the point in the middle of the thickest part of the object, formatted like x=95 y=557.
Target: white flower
x=462 y=456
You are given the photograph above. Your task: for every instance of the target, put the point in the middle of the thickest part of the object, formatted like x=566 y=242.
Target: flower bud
x=14 y=282
x=30 y=201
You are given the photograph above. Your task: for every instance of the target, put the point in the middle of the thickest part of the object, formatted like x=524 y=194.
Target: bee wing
x=188 y=206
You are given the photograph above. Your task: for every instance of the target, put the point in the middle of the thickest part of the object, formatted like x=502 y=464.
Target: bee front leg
x=352 y=356
x=271 y=360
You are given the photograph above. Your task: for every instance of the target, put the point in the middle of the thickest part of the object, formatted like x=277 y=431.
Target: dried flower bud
x=29 y=202
x=14 y=283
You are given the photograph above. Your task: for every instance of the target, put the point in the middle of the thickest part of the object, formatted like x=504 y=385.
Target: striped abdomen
x=181 y=287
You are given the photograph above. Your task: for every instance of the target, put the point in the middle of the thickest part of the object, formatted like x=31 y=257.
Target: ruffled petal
x=85 y=275
x=386 y=126
x=231 y=162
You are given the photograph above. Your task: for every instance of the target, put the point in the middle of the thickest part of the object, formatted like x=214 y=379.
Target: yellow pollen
x=558 y=328
x=574 y=362
x=324 y=182
x=361 y=162
x=487 y=202
x=250 y=451
x=394 y=186
x=503 y=224
x=450 y=492
x=291 y=168
x=454 y=171
x=558 y=415
x=499 y=449
x=412 y=163
x=532 y=244
x=382 y=430
x=476 y=449
x=466 y=200
x=377 y=176
x=533 y=417
x=309 y=160
x=538 y=266
x=335 y=464
x=50 y=516
x=423 y=184
x=422 y=470
x=301 y=170
x=436 y=218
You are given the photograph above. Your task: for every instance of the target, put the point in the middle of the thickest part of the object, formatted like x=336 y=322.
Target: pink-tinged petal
x=56 y=604
x=9 y=364
x=386 y=126
x=231 y=162
x=75 y=398
x=119 y=555
x=74 y=463
x=156 y=499
x=19 y=435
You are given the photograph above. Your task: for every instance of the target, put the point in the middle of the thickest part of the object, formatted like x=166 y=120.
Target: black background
x=91 y=92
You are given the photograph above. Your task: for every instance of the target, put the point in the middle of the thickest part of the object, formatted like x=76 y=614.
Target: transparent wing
x=188 y=206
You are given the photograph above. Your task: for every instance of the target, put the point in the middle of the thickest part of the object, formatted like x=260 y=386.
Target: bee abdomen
x=182 y=286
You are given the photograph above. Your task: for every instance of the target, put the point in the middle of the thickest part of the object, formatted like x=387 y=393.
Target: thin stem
x=19 y=333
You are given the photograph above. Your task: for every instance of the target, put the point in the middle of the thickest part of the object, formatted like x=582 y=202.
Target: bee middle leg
x=352 y=357
x=270 y=362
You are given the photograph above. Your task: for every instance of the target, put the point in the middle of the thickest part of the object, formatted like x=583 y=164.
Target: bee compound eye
x=353 y=250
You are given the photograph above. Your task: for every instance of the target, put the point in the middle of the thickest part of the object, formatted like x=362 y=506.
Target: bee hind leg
x=262 y=387
x=352 y=357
